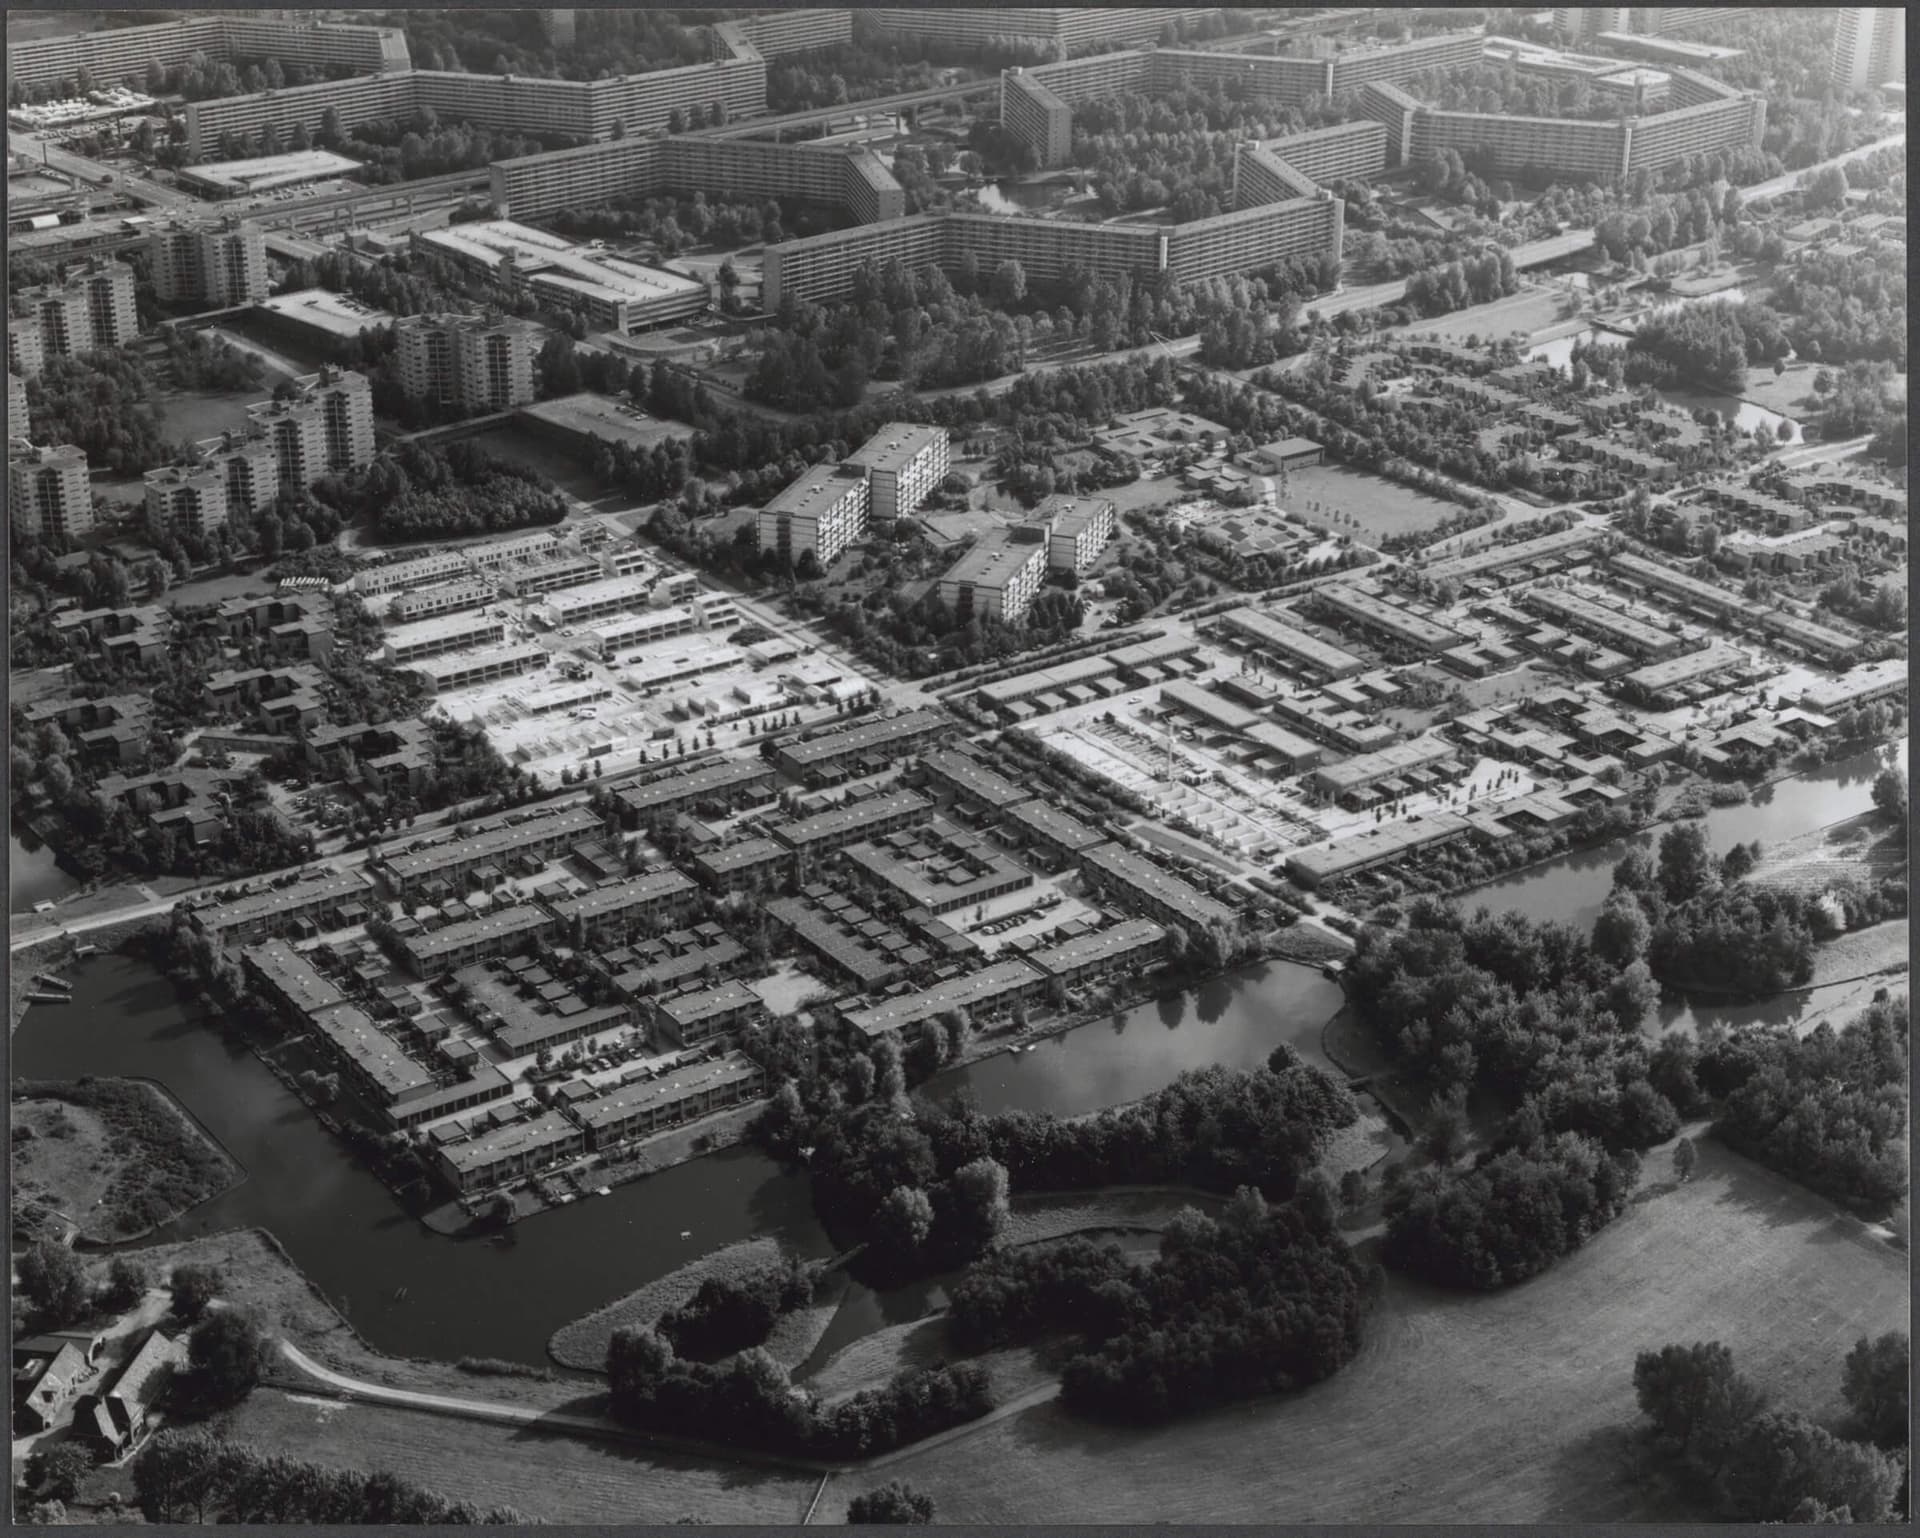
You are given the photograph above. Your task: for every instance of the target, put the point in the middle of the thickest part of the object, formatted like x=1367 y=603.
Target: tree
x=895 y=1502
x=904 y=1222
x=225 y=1353
x=1779 y=1459
x=979 y=1212
x=1890 y=793
x=1875 y=1387
x=54 y=1473
x=1685 y=1157
x=53 y=1280
x=1621 y=932
x=1447 y=1127
x=1686 y=863
x=1695 y=1399
x=193 y=1288
x=126 y=1284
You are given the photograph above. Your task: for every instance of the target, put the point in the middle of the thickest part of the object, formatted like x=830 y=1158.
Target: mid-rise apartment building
x=327 y=426
x=91 y=311
x=1869 y=46
x=824 y=511
x=214 y=262
x=1000 y=576
x=48 y=493
x=1081 y=527
x=1577 y=23
x=471 y=363
x=186 y=499
x=17 y=412
x=1036 y=116
x=905 y=462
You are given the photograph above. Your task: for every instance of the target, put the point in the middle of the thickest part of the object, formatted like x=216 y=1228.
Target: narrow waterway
x=1573 y=888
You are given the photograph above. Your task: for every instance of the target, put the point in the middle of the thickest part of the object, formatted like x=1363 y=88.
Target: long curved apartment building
x=1706 y=116
x=854 y=179
x=121 y=53
x=735 y=81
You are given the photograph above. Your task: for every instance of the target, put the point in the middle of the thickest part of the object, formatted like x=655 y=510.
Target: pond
x=33 y=875
x=1011 y=197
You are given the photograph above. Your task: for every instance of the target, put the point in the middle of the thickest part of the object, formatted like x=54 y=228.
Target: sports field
x=1515 y=1407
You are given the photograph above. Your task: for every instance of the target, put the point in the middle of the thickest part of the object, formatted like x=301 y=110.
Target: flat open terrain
x=1380 y=507
x=198 y=414
x=557 y=1478
x=1532 y=309
x=1516 y=1407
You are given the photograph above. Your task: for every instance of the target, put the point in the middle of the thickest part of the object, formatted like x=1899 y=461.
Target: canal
x=505 y=1296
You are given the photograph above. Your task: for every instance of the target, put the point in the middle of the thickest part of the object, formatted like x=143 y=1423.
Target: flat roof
x=611 y=419
x=868 y=734
x=329 y=886
x=686 y=1008
x=337 y=314
x=537 y=254
x=497 y=1143
x=816 y=489
x=293 y=976
x=1142 y=874
x=522 y=918
x=270 y=170
x=974 y=778
x=894 y=446
x=1357 y=851
x=618 y=1105
x=853 y=816
x=452 y=664
x=750 y=851
x=1118 y=939
x=491 y=842
x=1391 y=617
x=1365 y=768
x=646 y=887
x=694 y=783
x=1262 y=626
x=957 y=993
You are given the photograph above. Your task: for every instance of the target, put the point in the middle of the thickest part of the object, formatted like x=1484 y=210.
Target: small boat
x=49 y=998
x=603 y=1190
x=1014 y=1050
x=87 y=950
x=568 y=1196
x=686 y=1233
x=52 y=980
x=400 y=1295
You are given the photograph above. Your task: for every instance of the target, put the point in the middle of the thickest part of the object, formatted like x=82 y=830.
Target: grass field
x=1516 y=1407
x=1532 y=309
x=1379 y=507
x=198 y=414
x=556 y=1478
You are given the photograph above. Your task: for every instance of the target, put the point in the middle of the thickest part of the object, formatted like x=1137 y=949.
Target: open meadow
x=1512 y=1407
x=1379 y=507
x=560 y=1479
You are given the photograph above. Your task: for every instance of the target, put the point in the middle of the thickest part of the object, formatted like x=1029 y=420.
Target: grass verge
x=583 y=1344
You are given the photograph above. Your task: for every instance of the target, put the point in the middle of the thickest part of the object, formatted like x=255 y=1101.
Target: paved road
x=1791 y=179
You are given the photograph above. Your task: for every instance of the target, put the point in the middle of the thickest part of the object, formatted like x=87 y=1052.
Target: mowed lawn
x=1379 y=507
x=1514 y=1407
x=560 y=1479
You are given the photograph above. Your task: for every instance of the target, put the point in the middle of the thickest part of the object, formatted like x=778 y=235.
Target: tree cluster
x=748 y=1401
x=1759 y=1465
x=1261 y=1300
x=1828 y=1110
x=197 y=1477
x=1532 y=1012
x=1510 y=1216
x=729 y=1314
x=415 y=492
x=101 y=403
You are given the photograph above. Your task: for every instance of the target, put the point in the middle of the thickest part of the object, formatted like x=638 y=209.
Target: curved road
x=566 y=1423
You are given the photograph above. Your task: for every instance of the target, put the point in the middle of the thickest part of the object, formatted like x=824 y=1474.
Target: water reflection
x=32 y=874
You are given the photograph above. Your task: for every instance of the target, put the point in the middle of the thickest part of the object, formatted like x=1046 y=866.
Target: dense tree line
x=1510 y=1216
x=1828 y=1110
x=1707 y=927
x=415 y=492
x=729 y=1314
x=748 y=1401
x=197 y=1477
x=1534 y=1012
x=1261 y=1300
x=1711 y=342
x=1754 y=1464
x=672 y=224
